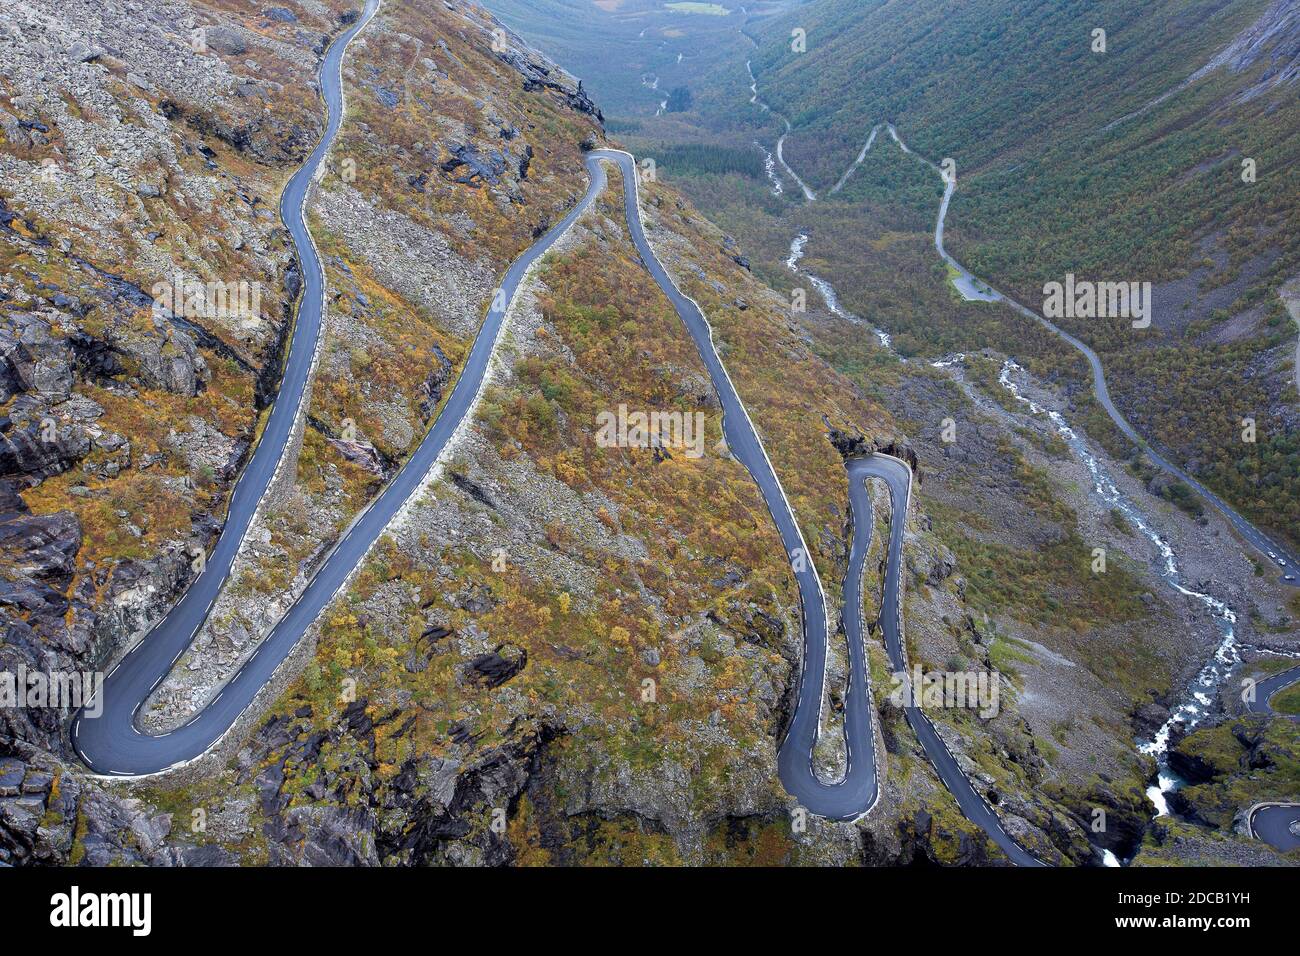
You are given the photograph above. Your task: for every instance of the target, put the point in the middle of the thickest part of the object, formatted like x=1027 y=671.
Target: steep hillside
x=173 y=129
x=572 y=650
x=599 y=642
x=1015 y=95
x=1123 y=163
x=142 y=149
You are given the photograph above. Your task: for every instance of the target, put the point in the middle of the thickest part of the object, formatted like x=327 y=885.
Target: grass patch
x=1287 y=701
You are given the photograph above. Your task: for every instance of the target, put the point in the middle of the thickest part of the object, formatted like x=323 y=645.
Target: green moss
x=1248 y=759
x=1287 y=701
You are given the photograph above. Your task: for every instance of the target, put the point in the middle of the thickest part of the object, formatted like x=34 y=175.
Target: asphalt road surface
x=898 y=476
x=857 y=792
x=1267 y=688
x=111 y=743
x=1277 y=824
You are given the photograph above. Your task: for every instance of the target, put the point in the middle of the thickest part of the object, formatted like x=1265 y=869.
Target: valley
x=934 y=578
x=727 y=197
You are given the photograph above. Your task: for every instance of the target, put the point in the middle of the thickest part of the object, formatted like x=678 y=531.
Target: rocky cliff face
x=143 y=143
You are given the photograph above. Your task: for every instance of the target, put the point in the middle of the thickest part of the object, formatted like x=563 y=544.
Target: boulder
x=168 y=360
x=227 y=41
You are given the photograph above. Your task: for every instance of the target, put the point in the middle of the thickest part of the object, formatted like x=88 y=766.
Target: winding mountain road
x=856 y=794
x=898 y=477
x=1268 y=688
x=1277 y=824
x=112 y=744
